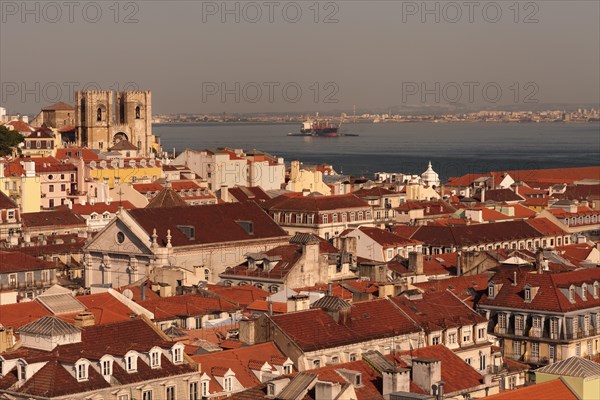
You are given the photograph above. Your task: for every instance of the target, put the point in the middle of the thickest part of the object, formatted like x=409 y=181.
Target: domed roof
x=430 y=175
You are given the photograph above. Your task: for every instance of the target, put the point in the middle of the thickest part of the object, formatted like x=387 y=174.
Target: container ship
x=319 y=128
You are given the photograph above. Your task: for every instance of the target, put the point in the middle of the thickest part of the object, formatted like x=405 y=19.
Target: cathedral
x=104 y=118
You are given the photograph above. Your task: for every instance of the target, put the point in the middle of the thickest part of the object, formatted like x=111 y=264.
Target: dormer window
x=491 y=291
x=81 y=369
x=596 y=289
x=572 y=294
x=228 y=384
x=177 y=354
x=287 y=369
x=527 y=294
x=131 y=362
x=584 y=291
x=155 y=359
x=106 y=367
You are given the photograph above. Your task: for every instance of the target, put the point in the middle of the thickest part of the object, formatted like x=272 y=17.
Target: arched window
x=137 y=112
x=99 y=116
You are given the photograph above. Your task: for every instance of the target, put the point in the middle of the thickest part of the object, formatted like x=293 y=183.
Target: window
x=578 y=349
x=584 y=292
x=287 y=369
x=63 y=187
x=99 y=115
x=316 y=363
x=481 y=333
x=11 y=215
x=359 y=216
x=194 y=390
x=177 y=355
x=491 y=291
x=589 y=348
x=155 y=359
x=12 y=280
x=81 y=372
x=352 y=357
x=51 y=188
x=535 y=349
x=466 y=336
x=551 y=351
x=519 y=323
x=536 y=322
x=482 y=362
x=130 y=364
x=334 y=218
x=204 y=387
x=527 y=294
x=469 y=360
x=325 y=218
x=435 y=340
x=123 y=397
x=452 y=338
x=288 y=218
x=23 y=372
x=554 y=328
x=147 y=395
x=517 y=348
x=227 y=384
x=170 y=395
x=106 y=368
x=137 y=112
x=512 y=382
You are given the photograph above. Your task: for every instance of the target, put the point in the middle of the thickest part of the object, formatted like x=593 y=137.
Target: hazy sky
x=372 y=54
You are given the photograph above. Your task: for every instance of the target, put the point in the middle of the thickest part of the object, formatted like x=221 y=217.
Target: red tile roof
x=62 y=217
x=470 y=235
x=456 y=374
x=96 y=341
x=555 y=389
x=72 y=152
x=386 y=238
x=501 y=195
x=316 y=329
x=249 y=193
x=7 y=203
x=438 y=311
x=168 y=308
x=101 y=207
x=545 y=226
x=263 y=305
x=552 y=294
x=222 y=220
x=376 y=191
x=60 y=106
x=298 y=202
x=467 y=288
x=21 y=126
x=16 y=261
x=242 y=295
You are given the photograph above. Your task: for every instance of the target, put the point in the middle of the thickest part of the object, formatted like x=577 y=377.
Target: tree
x=9 y=140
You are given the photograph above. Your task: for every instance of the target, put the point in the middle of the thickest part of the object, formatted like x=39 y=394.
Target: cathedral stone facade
x=103 y=118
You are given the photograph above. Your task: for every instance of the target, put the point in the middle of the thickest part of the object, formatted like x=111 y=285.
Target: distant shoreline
x=216 y=123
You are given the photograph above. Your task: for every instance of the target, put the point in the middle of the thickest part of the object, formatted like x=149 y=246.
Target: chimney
x=426 y=372
x=458 y=263
x=270 y=307
x=514 y=278
x=143 y=289
x=483 y=194
x=327 y=390
x=395 y=380
x=225 y=193
x=330 y=289
x=415 y=262
x=84 y=319
x=294 y=170
x=539 y=261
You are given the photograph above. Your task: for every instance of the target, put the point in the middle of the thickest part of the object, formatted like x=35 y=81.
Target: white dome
x=430 y=177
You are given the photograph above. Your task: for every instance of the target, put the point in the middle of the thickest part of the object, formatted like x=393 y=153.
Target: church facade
x=104 y=118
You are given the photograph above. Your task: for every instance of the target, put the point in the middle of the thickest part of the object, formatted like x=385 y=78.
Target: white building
x=233 y=167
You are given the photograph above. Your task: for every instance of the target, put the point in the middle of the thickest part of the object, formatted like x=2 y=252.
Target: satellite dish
x=128 y=293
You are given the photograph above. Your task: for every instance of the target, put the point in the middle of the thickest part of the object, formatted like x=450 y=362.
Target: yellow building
x=19 y=181
x=302 y=179
x=582 y=375
x=123 y=170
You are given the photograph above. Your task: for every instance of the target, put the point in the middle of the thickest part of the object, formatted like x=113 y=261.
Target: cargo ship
x=319 y=128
